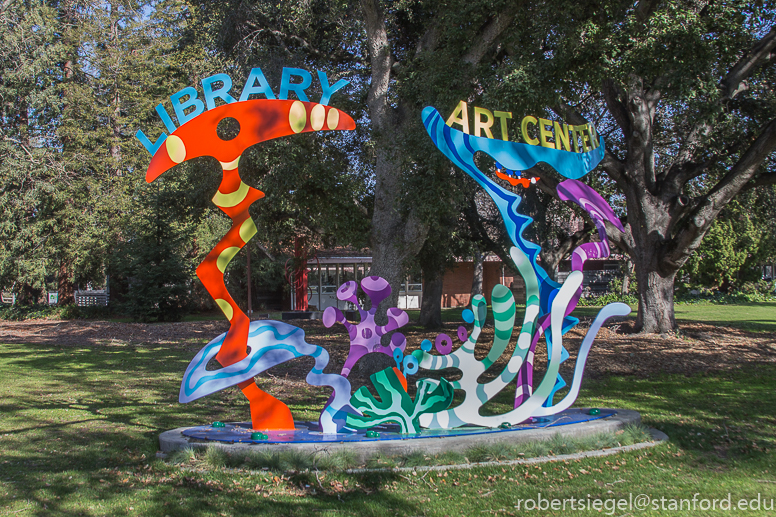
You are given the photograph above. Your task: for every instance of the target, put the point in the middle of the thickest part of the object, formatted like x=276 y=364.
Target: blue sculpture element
x=271 y=343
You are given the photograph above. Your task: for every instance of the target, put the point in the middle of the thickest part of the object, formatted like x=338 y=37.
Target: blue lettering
x=328 y=91
x=221 y=93
x=180 y=107
x=286 y=85
x=151 y=148
x=168 y=123
x=262 y=88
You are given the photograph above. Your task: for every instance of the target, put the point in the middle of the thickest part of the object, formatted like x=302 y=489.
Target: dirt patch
x=89 y=333
x=699 y=348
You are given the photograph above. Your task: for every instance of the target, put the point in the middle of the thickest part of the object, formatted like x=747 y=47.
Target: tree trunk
x=655 y=279
x=65 y=288
x=656 y=302
x=397 y=234
x=431 y=306
x=395 y=239
x=477 y=279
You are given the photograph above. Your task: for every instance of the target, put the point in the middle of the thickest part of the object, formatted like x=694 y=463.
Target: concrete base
x=174 y=440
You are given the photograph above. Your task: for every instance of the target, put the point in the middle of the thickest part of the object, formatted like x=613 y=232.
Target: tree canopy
x=681 y=92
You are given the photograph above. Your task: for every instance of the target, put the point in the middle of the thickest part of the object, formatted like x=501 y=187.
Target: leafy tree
x=739 y=242
x=153 y=260
x=30 y=172
x=682 y=93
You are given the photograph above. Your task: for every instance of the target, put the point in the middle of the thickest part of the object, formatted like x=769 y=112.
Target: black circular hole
x=228 y=129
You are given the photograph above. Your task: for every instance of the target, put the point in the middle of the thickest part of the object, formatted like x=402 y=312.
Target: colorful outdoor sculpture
x=249 y=348
x=259 y=120
x=548 y=304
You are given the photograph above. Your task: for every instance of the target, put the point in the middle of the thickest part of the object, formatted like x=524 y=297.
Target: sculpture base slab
x=236 y=437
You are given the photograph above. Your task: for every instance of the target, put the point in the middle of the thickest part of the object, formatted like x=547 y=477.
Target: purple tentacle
x=600 y=212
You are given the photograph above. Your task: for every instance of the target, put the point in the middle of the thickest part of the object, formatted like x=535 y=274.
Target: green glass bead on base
x=594 y=411
x=218 y=424
x=258 y=436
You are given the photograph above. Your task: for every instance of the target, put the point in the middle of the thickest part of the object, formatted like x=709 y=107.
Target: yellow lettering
x=524 y=130
x=585 y=137
x=574 y=131
x=460 y=116
x=502 y=116
x=593 y=136
x=561 y=136
x=543 y=133
x=479 y=125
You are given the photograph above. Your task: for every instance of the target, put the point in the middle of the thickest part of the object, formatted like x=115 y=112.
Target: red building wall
x=457 y=286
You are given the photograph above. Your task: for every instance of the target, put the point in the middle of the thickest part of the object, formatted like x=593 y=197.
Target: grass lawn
x=79 y=427
x=753 y=317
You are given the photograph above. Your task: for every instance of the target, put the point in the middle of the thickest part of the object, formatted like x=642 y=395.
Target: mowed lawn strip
x=79 y=427
x=753 y=317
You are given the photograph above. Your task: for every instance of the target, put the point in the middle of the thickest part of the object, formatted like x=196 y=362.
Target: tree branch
x=761 y=181
x=735 y=81
x=613 y=95
x=566 y=112
x=614 y=167
x=285 y=39
x=488 y=34
x=738 y=177
x=732 y=84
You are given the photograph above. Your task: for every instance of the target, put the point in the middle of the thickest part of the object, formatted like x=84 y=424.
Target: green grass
x=79 y=428
x=753 y=317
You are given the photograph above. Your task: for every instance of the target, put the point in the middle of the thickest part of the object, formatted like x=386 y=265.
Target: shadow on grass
x=79 y=432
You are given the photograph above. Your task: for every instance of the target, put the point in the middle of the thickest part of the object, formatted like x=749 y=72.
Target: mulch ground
x=699 y=348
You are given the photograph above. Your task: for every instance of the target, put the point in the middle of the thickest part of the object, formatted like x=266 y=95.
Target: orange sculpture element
x=259 y=120
x=524 y=182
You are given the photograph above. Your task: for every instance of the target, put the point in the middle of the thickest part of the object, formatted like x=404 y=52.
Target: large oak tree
x=683 y=92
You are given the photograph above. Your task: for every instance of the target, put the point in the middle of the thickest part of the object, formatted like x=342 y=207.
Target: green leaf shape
x=395 y=404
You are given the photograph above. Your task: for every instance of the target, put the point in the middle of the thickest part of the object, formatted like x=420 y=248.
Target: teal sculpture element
x=395 y=404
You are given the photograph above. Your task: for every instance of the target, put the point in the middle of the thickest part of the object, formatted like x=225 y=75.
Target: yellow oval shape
x=332 y=120
x=225 y=308
x=175 y=148
x=225 y=257
x=247 y=230
x=317 y=117
x=233 y=199
x=297 y=116
x=230 y=166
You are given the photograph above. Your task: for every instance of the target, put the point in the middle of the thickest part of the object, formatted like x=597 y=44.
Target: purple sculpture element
x=600 y=212
x=448 y=344
x=365 y=337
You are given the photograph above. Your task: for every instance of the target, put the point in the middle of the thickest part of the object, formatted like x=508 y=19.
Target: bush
x=750 y=292
x=605 y=299
x=45 y=312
